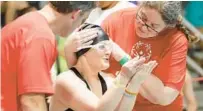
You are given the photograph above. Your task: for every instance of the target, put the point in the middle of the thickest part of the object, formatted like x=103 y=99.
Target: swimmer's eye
x=101 y=46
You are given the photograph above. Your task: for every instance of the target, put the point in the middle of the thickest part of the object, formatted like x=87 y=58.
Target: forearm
x=106 y=103
x=33 y=102
x=129 y=97
x=192 y=107
x=189 y=94
x=87 y=100
x=71 y=59
x=127 y=103
x=165 y=95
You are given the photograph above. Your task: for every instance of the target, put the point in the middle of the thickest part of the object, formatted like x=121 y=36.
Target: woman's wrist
x=121 y=79
x=130 y=93
x=124 y=59
x=133 y=87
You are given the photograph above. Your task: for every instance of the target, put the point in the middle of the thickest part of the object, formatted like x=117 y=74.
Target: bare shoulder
x=69 y=80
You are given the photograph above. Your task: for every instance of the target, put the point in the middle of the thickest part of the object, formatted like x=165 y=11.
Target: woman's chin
x=143 y=35
x=140 y=34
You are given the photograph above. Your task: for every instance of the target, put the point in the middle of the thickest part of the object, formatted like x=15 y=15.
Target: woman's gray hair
x=169 y=10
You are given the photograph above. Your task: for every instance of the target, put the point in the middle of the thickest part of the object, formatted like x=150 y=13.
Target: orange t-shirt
x=28 y=53
x=169 y=50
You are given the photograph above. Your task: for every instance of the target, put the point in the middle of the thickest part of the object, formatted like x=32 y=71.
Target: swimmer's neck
x=86 y=70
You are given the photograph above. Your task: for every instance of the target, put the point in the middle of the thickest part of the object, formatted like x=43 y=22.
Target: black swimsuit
x=103 y=83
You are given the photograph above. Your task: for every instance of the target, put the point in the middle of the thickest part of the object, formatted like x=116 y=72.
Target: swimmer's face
x=69 y=22
x=148 y=22
x=98 y=56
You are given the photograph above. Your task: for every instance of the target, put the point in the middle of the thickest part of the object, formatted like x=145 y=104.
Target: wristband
x=131 y=93
x=124 y=60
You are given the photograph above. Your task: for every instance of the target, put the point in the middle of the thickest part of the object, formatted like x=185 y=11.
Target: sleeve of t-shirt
x=36 y=60
x=176 y=63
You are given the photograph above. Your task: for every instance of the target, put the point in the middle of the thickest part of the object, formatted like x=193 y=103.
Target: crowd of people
x=96 y=56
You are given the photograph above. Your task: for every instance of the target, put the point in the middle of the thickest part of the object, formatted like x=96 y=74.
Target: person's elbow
x=32 y=102
x=168 y=97
x=164 y=102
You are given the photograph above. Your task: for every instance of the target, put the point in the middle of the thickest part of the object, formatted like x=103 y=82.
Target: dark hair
x=101 y=36
x=69 y=6
x=171 y=14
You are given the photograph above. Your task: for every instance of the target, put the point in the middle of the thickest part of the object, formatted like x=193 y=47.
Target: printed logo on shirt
x=141 y=49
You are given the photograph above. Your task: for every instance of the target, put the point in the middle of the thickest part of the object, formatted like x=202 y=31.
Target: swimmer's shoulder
x=67 y=75
x=69 y=78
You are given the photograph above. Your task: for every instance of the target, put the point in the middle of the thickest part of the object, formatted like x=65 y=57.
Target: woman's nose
x=144 y=28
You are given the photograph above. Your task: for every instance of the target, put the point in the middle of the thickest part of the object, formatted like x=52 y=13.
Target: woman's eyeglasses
x=141 y=20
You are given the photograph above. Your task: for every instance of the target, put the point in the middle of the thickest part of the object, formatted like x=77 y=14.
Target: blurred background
x=192 y=16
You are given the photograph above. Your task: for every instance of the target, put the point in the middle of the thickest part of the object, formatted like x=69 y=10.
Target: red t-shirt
x=28 y=53
x=168 y=49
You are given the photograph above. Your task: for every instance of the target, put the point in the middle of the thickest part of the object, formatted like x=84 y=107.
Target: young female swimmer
x=85 y=88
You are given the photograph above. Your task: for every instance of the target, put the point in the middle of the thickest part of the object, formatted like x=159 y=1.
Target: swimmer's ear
x=75 y=14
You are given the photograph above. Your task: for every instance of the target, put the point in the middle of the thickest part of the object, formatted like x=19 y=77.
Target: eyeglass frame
x=149 y=28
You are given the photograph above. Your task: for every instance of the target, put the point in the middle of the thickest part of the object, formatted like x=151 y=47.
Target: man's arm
x=33 y=102
x=34 y=78
x=70 y=52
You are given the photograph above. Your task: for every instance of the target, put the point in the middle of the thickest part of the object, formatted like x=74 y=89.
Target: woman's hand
x=141 y=75
x=129 y=69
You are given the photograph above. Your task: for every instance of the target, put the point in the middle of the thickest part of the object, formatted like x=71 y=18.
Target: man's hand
x=81 y=39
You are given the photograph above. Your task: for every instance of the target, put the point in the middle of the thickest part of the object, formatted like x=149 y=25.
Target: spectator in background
x=13 y=9
x=29 y=51
x=134 y=2
x=106 y=8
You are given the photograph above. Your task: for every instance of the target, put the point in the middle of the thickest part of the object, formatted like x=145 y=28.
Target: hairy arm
x=33 y=102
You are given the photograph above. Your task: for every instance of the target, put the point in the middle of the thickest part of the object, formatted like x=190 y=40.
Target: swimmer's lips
x=107 y=59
